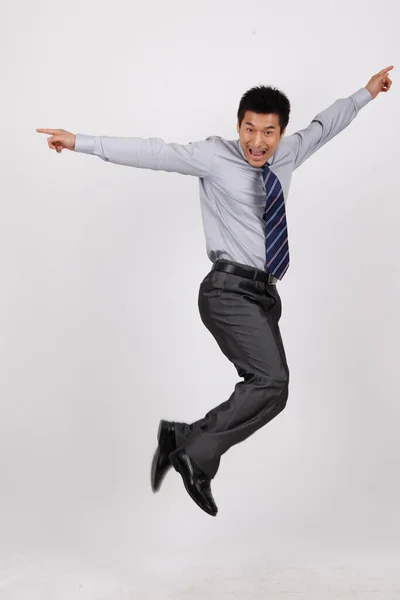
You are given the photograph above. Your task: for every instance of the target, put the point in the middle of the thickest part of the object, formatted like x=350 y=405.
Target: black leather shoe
x=161 y=463
x=197 y=483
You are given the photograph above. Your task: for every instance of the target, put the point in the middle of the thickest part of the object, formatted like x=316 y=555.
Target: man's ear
x=238 y=126
x=283 y=132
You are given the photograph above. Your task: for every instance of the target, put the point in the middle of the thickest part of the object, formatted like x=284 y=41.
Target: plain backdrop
x=100 y=335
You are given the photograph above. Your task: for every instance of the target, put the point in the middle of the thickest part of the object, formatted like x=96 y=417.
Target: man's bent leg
x=243 y=316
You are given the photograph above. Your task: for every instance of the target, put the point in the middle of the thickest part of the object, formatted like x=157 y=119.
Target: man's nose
x=258 y=139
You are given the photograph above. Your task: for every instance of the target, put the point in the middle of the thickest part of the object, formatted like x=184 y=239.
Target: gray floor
x=160 y=575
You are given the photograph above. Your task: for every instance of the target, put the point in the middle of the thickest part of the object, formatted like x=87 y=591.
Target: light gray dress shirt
x=232 y=192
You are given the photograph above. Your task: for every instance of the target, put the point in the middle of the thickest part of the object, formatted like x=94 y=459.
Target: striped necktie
x=276 y=233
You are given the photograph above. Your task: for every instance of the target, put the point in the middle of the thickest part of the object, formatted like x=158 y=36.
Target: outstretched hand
x=60 y=139
x=380 y=82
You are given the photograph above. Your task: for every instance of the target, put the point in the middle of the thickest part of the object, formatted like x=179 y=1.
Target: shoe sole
x=161 y=434
x=175 y=464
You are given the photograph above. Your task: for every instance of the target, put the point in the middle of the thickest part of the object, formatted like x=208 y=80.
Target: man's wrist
x=84 y=143
x=361 y=97
x=367 y=88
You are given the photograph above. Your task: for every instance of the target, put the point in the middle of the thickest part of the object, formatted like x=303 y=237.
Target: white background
x=100 y=334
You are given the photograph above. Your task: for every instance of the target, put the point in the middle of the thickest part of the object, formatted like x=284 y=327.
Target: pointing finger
x=49 y=131
x=386 y=70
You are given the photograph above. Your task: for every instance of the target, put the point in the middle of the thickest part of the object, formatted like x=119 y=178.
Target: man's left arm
x=331 y=121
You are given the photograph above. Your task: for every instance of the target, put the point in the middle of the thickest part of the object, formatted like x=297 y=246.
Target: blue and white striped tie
x=276 y=233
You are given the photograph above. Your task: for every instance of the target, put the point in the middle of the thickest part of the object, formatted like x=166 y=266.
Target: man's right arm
x=195 y=158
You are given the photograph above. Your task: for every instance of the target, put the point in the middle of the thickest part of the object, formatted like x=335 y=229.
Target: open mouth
x=257 y=155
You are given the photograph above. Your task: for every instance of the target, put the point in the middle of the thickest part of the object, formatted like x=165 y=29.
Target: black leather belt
x=244 y=271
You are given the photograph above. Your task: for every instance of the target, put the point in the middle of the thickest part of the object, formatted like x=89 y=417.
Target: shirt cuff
x=84 y=143
x=361 y=97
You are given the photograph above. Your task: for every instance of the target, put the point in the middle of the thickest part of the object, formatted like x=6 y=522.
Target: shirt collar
x=270 y=160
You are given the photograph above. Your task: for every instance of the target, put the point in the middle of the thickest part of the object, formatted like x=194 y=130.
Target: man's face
x=259 y=136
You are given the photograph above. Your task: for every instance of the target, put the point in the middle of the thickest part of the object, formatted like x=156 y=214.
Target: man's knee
x=280 y=383
x=284 y=387
x=273 y=387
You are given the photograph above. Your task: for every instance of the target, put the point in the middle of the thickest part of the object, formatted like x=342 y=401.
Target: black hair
x=265 y=100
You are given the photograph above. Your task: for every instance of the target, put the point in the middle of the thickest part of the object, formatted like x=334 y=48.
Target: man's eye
x=248 y=129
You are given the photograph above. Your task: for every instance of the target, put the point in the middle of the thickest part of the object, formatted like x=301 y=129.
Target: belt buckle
x=271 y=278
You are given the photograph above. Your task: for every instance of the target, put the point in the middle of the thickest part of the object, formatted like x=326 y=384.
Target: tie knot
x=266 y=169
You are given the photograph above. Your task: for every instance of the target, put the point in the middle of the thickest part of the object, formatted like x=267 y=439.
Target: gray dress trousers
x=242 y=315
